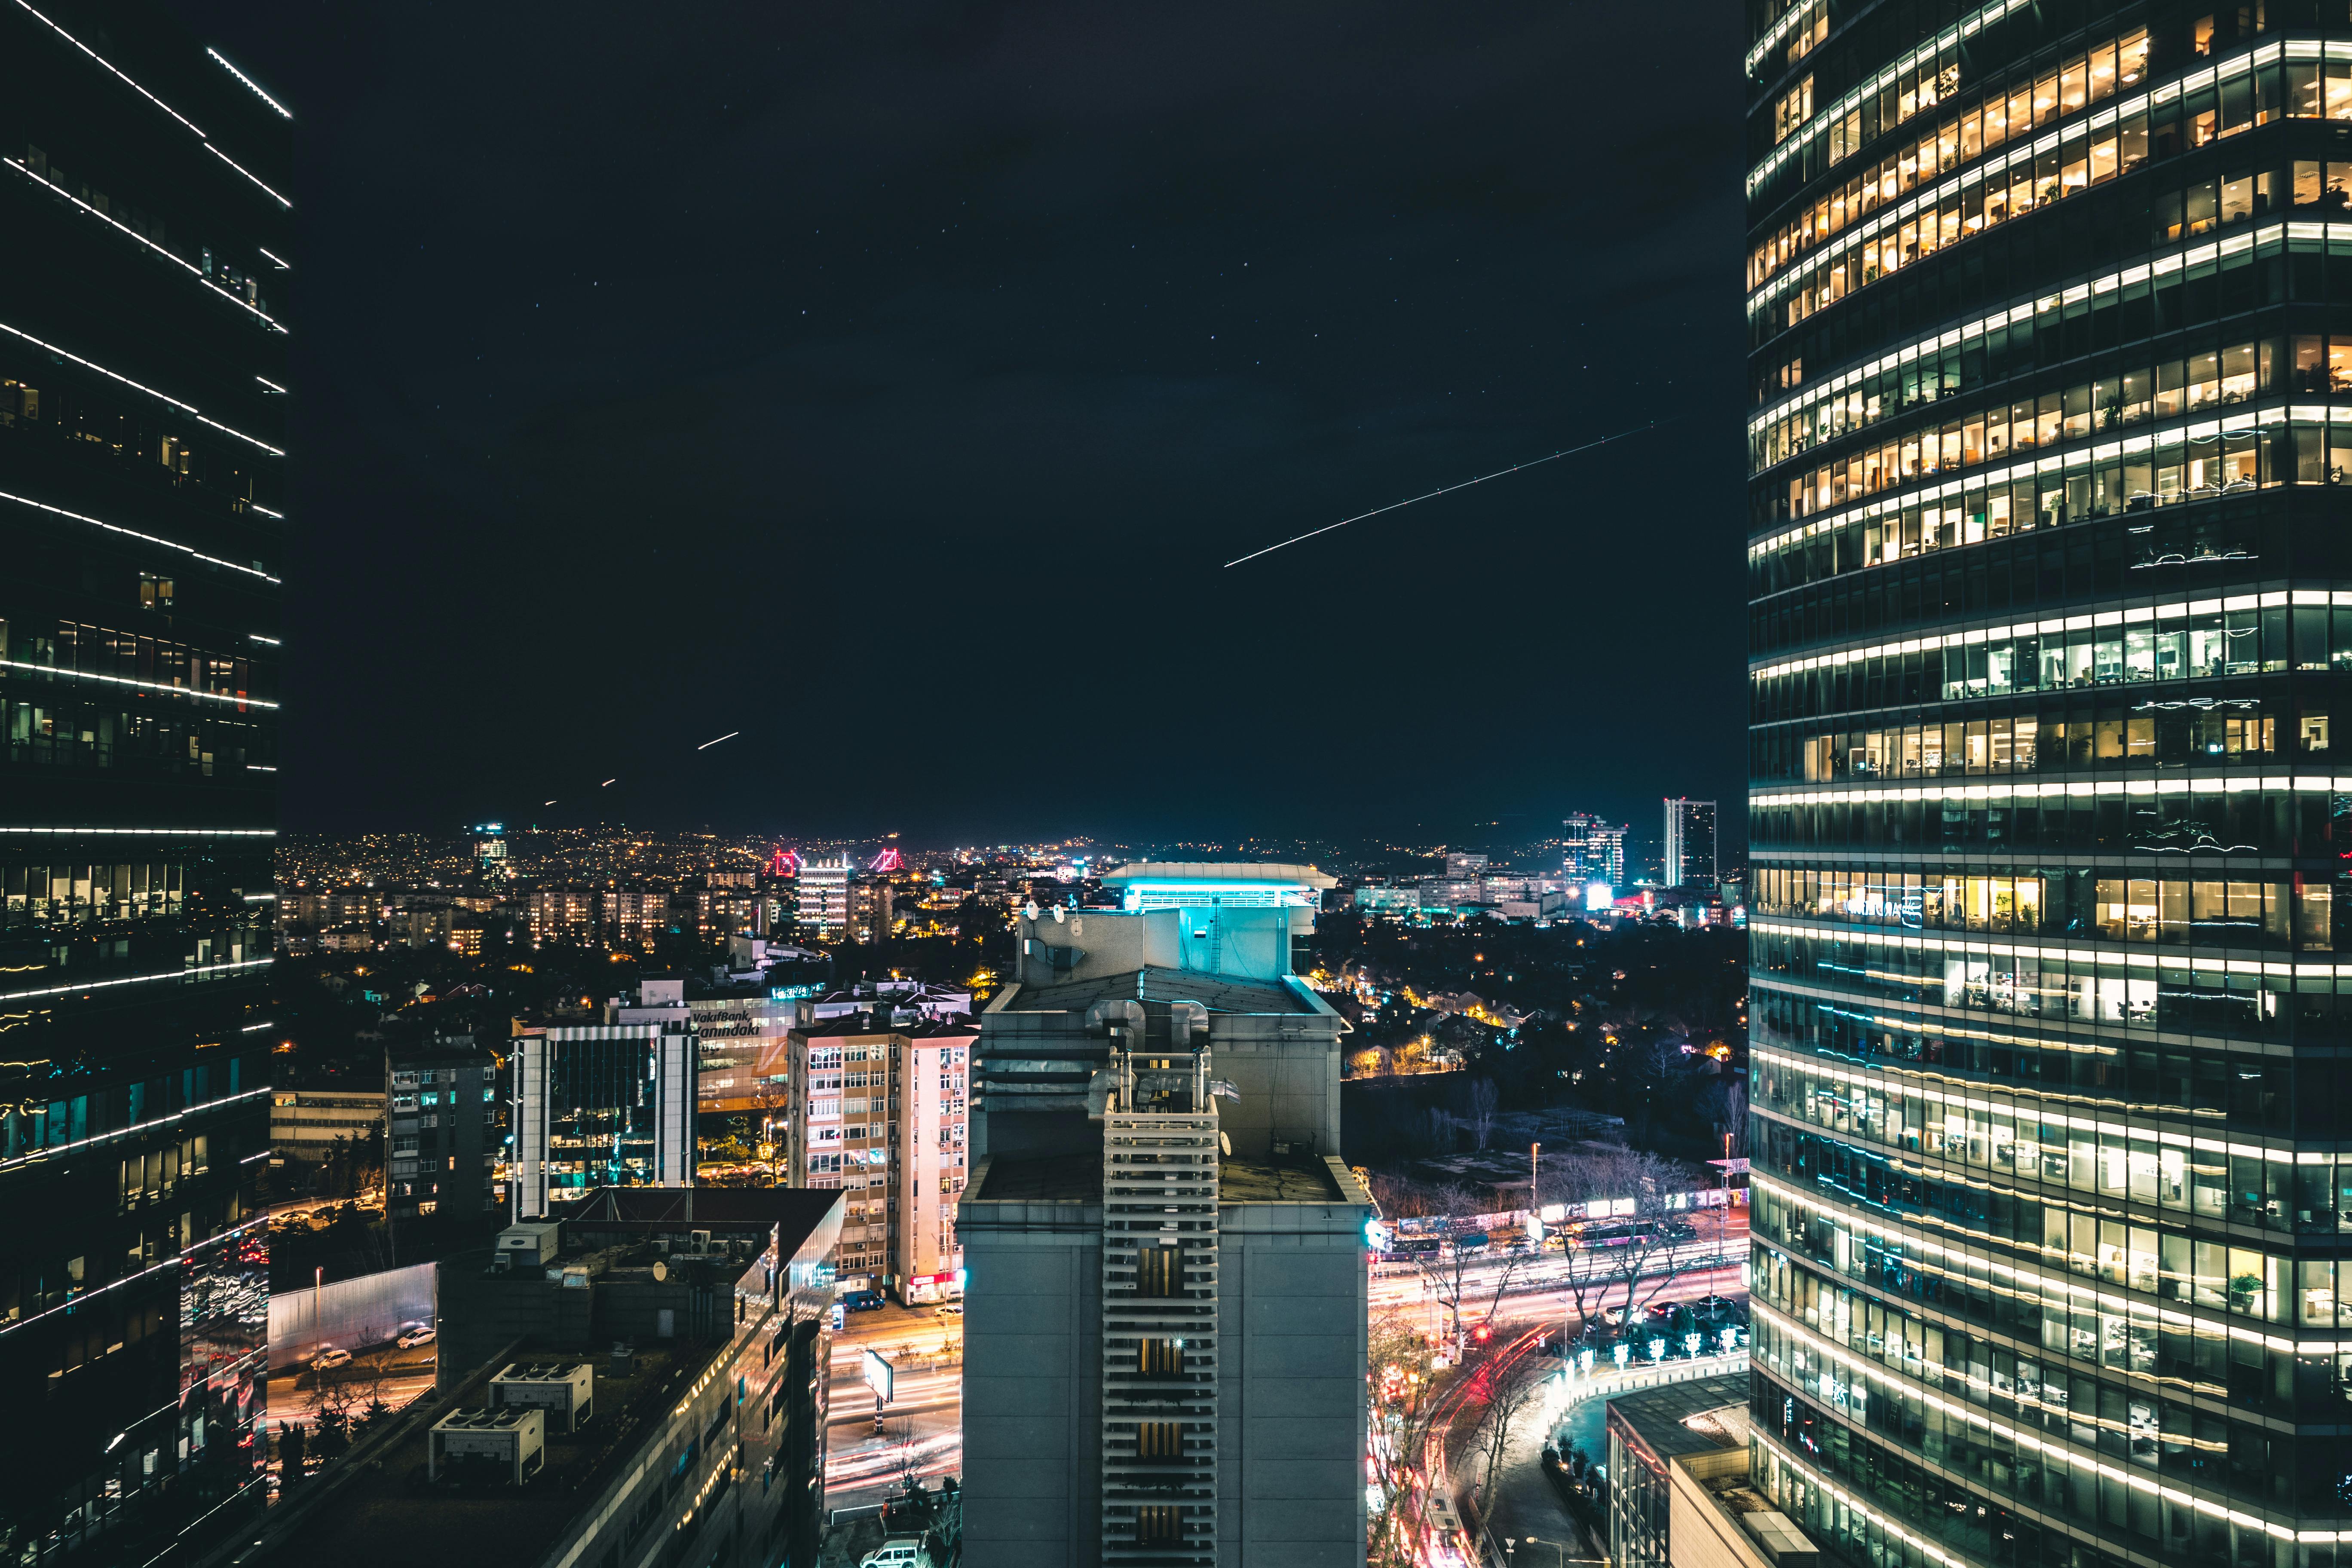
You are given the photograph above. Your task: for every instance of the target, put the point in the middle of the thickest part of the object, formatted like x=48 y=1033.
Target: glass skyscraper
x=142 y=351
x=2050 y=304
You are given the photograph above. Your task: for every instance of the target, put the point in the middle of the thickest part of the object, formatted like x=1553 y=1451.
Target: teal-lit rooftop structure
x=1203 y=884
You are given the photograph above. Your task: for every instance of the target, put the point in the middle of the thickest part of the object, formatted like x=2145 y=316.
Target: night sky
x=889 y=384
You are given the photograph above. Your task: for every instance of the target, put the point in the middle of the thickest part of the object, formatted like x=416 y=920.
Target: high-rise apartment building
x=1690 y=859
x=883 y=1114
x=1595 y=849
x=824 y=901
x=1164 y=1255
x=2051 y=606
x=142 y=368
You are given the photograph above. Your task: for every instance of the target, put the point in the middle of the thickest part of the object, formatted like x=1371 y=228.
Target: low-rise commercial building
x=700 y=1441
x=1648 y=1432
x=311 y=1125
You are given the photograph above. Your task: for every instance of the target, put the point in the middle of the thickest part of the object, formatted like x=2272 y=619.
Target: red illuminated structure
x=783 y=862
x=888 y=860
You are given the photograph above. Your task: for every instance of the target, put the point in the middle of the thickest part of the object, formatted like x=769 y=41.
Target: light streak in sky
x=608 y=784
x=1448 y=489
x=707 y=745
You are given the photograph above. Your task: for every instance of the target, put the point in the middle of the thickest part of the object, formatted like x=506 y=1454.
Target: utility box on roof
x=563 y=1390
x=509 y=1445
x=527 y=1246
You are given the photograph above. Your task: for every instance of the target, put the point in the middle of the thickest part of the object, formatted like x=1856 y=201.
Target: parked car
x=898 y=1552
x=330 y=1358
x=861 y=1300
x=418 y=1334
x=953 y=1310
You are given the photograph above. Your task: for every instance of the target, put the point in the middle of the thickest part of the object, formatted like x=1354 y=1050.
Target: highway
x=922 y=1431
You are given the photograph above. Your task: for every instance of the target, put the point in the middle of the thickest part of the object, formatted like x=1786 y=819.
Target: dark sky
x=890 y=382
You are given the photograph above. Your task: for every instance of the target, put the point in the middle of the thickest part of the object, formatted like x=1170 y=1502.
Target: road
x=923 y=1429
x=294 y=1393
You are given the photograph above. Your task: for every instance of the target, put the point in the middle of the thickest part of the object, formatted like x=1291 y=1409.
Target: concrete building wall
x=1292 y=1325
x=1032 y=1388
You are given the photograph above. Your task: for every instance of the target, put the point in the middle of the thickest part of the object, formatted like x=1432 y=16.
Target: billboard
x=1600 y=896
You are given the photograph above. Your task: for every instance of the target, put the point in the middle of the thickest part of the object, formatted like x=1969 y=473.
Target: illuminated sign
x=1599 y=896
x=880 y=1377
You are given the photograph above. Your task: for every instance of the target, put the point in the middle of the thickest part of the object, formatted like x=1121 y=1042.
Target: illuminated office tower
x=2049 y=305
x=142 y=433
x=1689 y=860
x=823 y=907
x=1595 y=850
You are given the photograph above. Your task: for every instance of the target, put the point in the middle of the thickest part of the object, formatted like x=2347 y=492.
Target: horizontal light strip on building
x=174 y=1261
x=1967 y=27
x=188 y=409
x=193 y=973
x=2143 y=615
x=2192 y=255
x=2037 y=1101
x=1930 y=196
x=133 y=534
x=1980 y=947
x=2058 y=1284
x=109 y=66
x=157 y=687
x=223 y=60
x=2081 y=452
x=147 y=1126
x=56 y=189
x=147 y=832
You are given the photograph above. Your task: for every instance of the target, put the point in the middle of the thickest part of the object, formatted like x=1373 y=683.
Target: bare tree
x=1629 y=1238
x=1509 y=1394
x=1448 y=1250
x=1485 y=1099
x=1404 y=1413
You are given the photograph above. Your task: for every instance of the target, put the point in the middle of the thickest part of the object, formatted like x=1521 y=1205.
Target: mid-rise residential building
x=142 y=444
x=701 y=1440
x=2048 y=624
x=871 y=917
x=883 y=1113
x=447 y=1126
x=1166 y=1287
x=1690 y=857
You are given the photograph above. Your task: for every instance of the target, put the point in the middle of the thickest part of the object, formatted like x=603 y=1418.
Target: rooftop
x=795 y=1212
x=1077 y=1179
x=860 y=1025
x=387 y=1512
x=1683 y=1417
x=1219 y=871
x=1218 y=993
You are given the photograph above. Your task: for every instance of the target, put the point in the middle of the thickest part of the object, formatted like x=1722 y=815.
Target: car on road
x=418 y=1334
x=953 y=1310
x=330 y=1358
x=862 y=1300
x=898 y=1552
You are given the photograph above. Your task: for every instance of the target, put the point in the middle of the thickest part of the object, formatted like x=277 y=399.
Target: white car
x=421 y=1334
x=898 y=1552
x=330 y=1358
x=953 y=1310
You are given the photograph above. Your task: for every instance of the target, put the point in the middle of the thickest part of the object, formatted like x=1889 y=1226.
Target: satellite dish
x=661 y=1272
x=1226 y=1144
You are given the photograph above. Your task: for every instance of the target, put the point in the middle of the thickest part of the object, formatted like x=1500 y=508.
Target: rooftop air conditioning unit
x=565 y=1391
x=507 y=1445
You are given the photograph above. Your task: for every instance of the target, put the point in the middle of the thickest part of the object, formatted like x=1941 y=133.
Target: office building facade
x=1166 y=1290
x=1690 y=857
x=2046 y=556
x=1595 y=849
x=603 y=1105
x=142 y=356
x=823 y=905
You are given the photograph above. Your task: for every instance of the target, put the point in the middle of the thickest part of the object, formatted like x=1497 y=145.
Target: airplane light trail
x=1465 y=484
x=707 y=745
